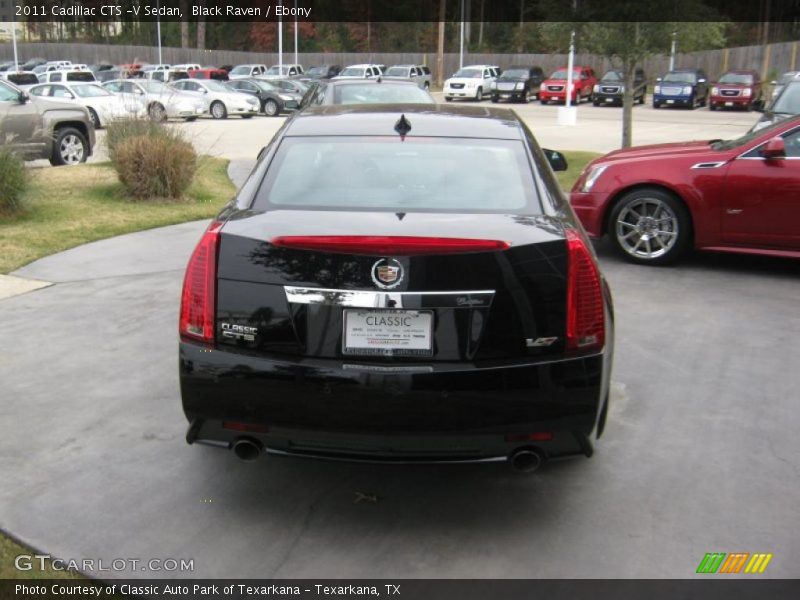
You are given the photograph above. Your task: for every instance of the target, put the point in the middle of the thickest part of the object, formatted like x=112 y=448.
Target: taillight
x=198 y=299
x=585 y=313
x=390 y=245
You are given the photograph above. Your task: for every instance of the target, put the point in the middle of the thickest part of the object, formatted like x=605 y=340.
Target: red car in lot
x=209 y=73
x=554 y=88
x=736 y=89
x=657 y=202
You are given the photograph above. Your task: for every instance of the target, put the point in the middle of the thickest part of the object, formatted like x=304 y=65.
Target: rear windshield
x=80 y=76
x=380 y=93
x=387 y=174
x=22 y=78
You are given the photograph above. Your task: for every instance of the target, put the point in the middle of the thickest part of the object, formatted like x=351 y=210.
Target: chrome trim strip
x=708 y=165
x=386 y=299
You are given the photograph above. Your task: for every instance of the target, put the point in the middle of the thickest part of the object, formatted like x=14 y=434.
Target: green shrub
x=155 y=166
x=13 y=181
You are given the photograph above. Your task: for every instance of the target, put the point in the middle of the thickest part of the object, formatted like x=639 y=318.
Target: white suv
x=471 y=82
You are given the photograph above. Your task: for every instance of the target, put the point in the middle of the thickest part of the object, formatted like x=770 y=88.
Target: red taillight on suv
x=198 y=300
x=585 y=313
x=387 y=245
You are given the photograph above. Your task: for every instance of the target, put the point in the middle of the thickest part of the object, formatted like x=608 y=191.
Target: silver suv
x=419 y=74
x=57 y=131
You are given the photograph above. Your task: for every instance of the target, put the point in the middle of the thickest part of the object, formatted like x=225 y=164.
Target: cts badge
x=387 y=273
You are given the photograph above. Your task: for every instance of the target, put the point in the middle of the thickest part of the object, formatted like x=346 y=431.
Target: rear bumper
x=339 y=409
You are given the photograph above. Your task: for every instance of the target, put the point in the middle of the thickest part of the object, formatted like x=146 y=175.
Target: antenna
x=403 y=126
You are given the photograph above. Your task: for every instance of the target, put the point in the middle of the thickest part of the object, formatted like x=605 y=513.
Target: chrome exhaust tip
x=526 y=460
x=246 y=449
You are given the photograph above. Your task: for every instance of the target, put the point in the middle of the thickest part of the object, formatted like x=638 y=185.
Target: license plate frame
x=387 y=340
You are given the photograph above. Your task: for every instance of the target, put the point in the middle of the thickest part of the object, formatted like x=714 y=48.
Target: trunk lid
x=484 y=305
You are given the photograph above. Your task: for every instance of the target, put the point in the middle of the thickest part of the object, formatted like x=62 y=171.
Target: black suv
x=610 y=88
x=518 y=84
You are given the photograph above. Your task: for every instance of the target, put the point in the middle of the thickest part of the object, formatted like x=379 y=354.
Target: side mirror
x=23 y=97
x=775 y=148
x=558 y=161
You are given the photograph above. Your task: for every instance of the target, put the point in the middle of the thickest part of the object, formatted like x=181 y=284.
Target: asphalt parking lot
x=700 y=452
x=599 y=129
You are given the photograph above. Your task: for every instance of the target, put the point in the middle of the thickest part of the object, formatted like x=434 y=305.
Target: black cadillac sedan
x=398 y=283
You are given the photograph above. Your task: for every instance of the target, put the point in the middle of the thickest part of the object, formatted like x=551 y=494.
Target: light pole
x=461 y=47
x=568 y=114
x=297 y=62
x=14 y=40
x=672 y=51
x=158 y=30
x=280 y=46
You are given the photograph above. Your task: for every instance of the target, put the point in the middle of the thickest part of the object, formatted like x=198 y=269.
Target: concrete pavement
x=700 y=453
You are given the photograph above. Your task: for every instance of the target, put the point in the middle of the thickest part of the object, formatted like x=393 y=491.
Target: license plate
x=388 y=332
x=729 y=104
x=609 y=99
x=670 y=101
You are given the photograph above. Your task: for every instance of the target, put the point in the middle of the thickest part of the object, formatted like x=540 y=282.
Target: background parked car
x=272 y=99
x=471 y=82
x=222 y=100
x=611 y=87
x=59 y=132
x=784 y=79
x=737 y=89
x=321 y=72
x=681 y=87
x=67 y=76
x=242 y=71
x=103 y=106
x=365 y=71
x=360 y=91
x=22 y=79
x=187 y=67
x=419 y=74
x=786 y=105
x=656 y=202
x=518 y=83
x=162 y=101
x=284 y=71
x=209 y=73
x=554 y=88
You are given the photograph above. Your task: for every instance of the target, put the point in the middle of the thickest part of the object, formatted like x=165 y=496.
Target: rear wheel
x=712 y=107
x=190 y=119
x=650 y=226
x=94 y=118
x=595 y=102
x=271 y=108
x=218 y=110
x=495 y=99
x=448 y=99
x=247 y=116
x=656 y=104
x=70 y=147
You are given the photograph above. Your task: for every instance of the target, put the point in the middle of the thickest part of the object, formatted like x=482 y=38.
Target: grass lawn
x=69 y=206
x=576 y=160
x=9 y=550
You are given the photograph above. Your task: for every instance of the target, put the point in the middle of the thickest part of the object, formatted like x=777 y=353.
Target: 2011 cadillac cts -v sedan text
x=398 y=283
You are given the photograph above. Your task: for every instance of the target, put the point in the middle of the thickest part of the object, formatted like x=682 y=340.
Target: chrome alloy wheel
x=71 y=149
x=647 y=228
